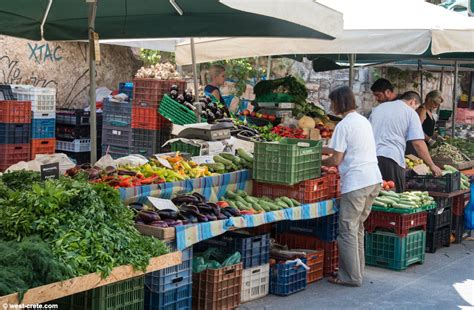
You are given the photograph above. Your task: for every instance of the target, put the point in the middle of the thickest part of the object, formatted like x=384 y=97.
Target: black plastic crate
x=15 y=133
x=116 y=113
x=255 y=250
x=325 y=228
x=6 y=93
x=440 y=216
x=149 y=142
x=117 y=136
x=437 y=239
x=448 y=183
x=73 y=117
x=72 y=132
x=457 y=228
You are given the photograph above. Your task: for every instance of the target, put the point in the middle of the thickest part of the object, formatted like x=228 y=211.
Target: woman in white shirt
x=353 y=151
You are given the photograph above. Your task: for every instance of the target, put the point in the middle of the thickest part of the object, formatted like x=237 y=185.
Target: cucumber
x=264 y=207
x=219 y=159
x=380 y=204
x=281 y=203
x=241 y=200
x=287 y=201
x=295 y=202
x=385 y=200
x=245 y=155
x=267 y=199
x=227 y=156
x=389 y=194
x=215 y=166
x=402 y=206
x=231 y=195
x=450 y=169
x=241 y=206
x=270 y=206
x=241 y=193
x=232 y=204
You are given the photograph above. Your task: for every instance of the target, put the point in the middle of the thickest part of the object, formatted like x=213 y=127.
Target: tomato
x=246 y=112
x=252 y=113
x=271 y=118
x=391 y=184
x=222 y=204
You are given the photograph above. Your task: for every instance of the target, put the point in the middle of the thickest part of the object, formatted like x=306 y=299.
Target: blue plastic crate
x=43 y=128
x=171 y=288
x=127 y=89
x=287 y=278
x=15 y=133
x=325 y=228
x=255 y=250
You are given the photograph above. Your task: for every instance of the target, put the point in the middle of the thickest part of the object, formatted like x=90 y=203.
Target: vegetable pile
x=165 y=71
x=406 y=200
x=464 y=179
x=86 y=225
x=449 y=153
x=250 y=205
x=226 y=162
x=463 y=145
x=287 y=132
x=286 y=85
x=253 y=132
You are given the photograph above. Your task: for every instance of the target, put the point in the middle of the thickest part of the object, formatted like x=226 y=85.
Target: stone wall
x=64 y=66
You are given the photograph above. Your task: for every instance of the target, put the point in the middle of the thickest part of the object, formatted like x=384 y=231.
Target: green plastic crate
x=404 y=211
x=176 y=112
x=180 y=146
x=287 y=162
x=124 y=295
x=275 y=97
x=386 y=249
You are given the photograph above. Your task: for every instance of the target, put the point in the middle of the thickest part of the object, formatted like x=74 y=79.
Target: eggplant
x=168 y=214
x=73 y=171
x=204 y=208
x=211 y=217
x=174 y=87
x=187 y=216
x=232 y=211
x=199 y=196
x=138 y=221
x=221 y=216
x=93 y=173
x=174 y=94
x=215 y=208
x=188 y=96
x=110 y=170
x=161 y=224
x=189 y=208
x=127 y=172
x=180 y=98
x=148 y=216
x=202 y=218
x=173 y=223
x=226 y=213
x=184 y=199
x=219 y=114
x=189 y=106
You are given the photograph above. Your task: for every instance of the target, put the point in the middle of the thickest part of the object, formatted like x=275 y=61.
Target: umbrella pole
x=92 y=73
x=420 y=72
x=441 y=78
x=351 y=70
x=196 y=87
x=269 y=67
x=455 y=90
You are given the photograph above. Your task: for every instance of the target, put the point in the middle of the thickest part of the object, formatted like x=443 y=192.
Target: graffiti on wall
x=43 y=52
x=11 y=73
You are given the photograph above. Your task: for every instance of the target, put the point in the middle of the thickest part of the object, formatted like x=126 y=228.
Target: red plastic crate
x=334 y=184
x=215 y=289
x=151 y=91
x=42 y=146
x=331 y=253
x=396 y=222
x=460 y=202
x=13 y=153
x=148 y=118
x=308 y=191
x=15 y=112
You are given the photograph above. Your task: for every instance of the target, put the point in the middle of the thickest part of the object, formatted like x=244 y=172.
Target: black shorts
x=391 y=171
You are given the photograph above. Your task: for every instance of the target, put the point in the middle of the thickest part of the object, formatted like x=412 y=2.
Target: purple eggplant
x=202 y=218
x=221 y=216
x=168 y=214
x=173 y=223
x=184 y=199
x=138 y=221
x=211 y=217
x=127 y=172
x=199 y=196
x=226 y=213
x=187 y=216
x=148 y=216
x=161 y=224
x=204 y=208
x=232 y=211
x=215 y=208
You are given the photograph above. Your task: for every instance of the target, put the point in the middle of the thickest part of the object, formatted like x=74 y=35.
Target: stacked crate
x=117 y=128
x=395 y=240
x=255 y=253
x=170 y=288
x=439 y=225
x=73 y=134
x=43 y=107
x=150 y=130
x=15 y=132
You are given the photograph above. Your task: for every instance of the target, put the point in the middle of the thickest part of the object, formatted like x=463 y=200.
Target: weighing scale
x=208 y=132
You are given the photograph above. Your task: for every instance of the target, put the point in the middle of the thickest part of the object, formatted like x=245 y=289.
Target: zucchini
x=389 y=194
x=296 y=203
x=380 y=204
x=231 y=195
x=264 y=207
x=232 y=204
x=287 y=201
x=450 y=169
x=241 y=193
x=241 y=206
x=241 y=200
x=220 y=159
x=245 y=155
x=385 y=200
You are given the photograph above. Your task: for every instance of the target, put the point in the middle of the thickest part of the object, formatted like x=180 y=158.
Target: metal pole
x=441 y=79
x=455 y=90
x=92 y=87
x=196 y=86
x=420 y=71
x=351 y=70
x=269 y=67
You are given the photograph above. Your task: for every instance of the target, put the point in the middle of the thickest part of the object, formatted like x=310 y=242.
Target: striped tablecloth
x=192 y=234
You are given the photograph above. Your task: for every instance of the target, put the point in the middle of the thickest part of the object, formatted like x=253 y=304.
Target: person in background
x=394 y=124
x=433 y=101
x=383 y=91
x=217 y=73
x=353 y=151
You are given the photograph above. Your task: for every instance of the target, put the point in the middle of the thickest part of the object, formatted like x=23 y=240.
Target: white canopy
x=370 y=27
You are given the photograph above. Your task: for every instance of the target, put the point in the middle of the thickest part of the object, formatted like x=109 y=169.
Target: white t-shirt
x=353 y=136
x=394 y=123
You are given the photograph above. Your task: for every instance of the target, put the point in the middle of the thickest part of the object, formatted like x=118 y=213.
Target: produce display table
x=57 y=290
x=213 y=188
x=449 y=195
x=188 y=235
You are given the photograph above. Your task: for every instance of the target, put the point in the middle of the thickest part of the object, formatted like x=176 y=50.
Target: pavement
x=444 y=281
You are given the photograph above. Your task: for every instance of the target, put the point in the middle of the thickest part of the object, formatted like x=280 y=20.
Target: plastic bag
x=469 y=211
x=232 y=260
x=134 y=160
x=41 y=159
x=105 y=161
